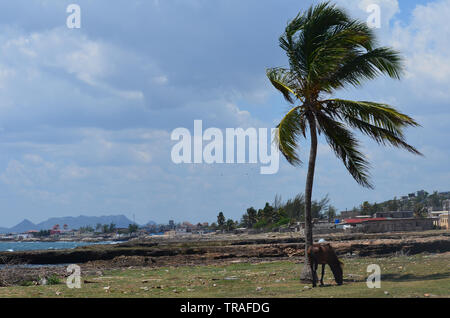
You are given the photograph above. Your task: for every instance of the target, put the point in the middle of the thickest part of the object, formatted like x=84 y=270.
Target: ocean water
x=30 y=246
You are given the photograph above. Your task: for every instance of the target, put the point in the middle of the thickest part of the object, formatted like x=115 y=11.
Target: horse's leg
x=313 y=272
x=323 y=273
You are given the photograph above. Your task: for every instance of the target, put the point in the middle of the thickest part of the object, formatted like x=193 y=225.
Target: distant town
x=419 y=211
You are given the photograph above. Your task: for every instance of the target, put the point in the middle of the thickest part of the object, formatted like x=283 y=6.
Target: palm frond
x=291 y=127
x=358 y=66
x=345 y=146
x=381 y=135
x=381 y=115
x=284 y=81
x=304 y=34
x=381 y=122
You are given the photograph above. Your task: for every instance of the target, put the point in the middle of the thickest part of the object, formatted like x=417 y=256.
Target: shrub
x=261 y=224
x=53 y=280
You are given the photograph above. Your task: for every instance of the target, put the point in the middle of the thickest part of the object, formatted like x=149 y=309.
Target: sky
x=86 y=115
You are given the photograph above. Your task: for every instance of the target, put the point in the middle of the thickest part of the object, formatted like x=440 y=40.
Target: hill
x=25 y=225
x=72 y=222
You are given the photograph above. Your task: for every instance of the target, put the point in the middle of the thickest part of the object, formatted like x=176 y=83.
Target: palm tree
x=328 y=50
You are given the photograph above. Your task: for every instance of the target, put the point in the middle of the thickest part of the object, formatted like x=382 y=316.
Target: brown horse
x=324 y=254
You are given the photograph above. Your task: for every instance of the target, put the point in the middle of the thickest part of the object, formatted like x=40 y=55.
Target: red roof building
x=362 y=220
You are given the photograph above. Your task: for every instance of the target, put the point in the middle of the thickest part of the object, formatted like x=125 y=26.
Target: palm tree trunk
x=306 y=275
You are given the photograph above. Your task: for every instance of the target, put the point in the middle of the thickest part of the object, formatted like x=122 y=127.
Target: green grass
x=403 y=276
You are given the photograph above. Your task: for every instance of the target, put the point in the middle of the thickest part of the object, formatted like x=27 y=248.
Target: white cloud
x=91 y=62
x=426 y=43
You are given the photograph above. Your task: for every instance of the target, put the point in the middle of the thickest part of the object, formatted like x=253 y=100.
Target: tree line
x=278 y=214
x=418 y=203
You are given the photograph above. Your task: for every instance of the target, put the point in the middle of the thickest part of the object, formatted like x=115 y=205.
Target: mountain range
x=72 y=222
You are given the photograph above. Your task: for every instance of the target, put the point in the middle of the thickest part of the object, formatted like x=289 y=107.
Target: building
x=398 y=225
x=357 y=222
x=444 y=220
x=382 y=225
x=349 y=214
x=436 y=217
x=395 y=215
x=435 y=214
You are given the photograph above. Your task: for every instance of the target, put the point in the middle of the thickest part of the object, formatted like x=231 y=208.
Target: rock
x=258 y=288
x=386 y=293
x=144 y=288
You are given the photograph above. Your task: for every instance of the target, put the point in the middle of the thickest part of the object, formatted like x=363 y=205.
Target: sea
x=58 y=245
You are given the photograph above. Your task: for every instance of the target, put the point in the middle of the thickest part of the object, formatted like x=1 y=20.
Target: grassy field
x=403 y=276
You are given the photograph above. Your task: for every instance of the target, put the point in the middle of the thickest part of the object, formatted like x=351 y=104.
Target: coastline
x=162 y=251
x=29 y=267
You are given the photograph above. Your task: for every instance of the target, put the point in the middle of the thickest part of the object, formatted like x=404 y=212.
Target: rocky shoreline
x=158 y=252
x=231 y=246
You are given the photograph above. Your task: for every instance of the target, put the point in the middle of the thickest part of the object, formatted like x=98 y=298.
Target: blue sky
x=86 y=114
